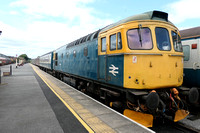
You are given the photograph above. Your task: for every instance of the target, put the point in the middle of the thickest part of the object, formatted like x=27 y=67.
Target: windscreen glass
x=162 y=38
x=139 y=39
x=177 y=42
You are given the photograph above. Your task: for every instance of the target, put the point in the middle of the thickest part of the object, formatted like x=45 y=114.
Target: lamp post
x=16 y=60
x=0 y=68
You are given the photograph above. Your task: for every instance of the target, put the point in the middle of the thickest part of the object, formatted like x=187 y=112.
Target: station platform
x=34 y=101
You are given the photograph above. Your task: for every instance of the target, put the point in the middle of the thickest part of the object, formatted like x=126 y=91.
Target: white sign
x=113 y=70
x=134 y=59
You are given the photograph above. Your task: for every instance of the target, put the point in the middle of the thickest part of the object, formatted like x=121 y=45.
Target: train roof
x=46 y=53
x=190 y=33
x=2 y=58
x=152 y=15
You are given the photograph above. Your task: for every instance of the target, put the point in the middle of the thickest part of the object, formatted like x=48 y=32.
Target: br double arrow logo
x=113 y=70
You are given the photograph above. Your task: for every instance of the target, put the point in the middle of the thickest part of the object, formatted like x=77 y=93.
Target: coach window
x=186 y=52
x=119 y=41
x=113 y=42
x=103 y=44
x=162 y=38
x=139 y=39
x=177 y=42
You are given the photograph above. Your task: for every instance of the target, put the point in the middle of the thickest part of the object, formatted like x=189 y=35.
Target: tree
x=25 y=57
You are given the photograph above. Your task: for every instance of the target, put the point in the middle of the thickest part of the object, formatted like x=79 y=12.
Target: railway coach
x=191 y=42
x=134 y=65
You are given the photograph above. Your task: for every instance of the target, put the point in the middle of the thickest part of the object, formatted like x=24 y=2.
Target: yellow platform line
x=73 y=112
x=89 y=119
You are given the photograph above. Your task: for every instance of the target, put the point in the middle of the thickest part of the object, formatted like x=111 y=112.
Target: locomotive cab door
x=110 y=59
x=102 y=59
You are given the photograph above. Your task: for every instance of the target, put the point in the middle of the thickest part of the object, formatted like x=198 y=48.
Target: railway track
x=185 y=128
x=168 y=126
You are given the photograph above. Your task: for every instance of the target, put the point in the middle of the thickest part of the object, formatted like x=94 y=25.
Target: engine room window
x=139 y=39
x=186 y=52
x=67 y=55
x=177 y=42
x=74 y=53
x=103 y=44
x=85 y=51
x=113 y=42
x=119 y=41
x=162 y=38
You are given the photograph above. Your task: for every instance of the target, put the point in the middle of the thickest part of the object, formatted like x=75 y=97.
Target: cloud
x=48 y=24
x=56 y=8
x=182 y=10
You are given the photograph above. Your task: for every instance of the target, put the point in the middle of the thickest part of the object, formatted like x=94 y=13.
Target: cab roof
x=152 y=15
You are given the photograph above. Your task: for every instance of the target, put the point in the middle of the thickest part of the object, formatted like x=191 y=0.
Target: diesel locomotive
x=134 y=65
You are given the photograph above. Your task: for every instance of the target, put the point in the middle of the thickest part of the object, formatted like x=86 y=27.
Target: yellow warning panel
x=142 y=118
x=180 y=114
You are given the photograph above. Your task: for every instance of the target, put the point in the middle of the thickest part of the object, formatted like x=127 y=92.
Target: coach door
x=102 y=59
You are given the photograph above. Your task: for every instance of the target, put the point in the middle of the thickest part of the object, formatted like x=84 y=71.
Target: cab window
x=113 y=42
x=139 y=39
x=103 y=44
x=177 y=42
x=186 y=52
x=119 y=41
x=162 y=38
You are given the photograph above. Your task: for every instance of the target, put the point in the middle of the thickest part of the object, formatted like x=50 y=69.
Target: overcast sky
x=35 y=27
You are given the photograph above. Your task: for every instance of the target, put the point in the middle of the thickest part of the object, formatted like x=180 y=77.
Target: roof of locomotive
x=190 y=33
x=152 y=15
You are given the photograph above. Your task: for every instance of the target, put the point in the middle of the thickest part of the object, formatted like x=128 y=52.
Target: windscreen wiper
x=139 y=32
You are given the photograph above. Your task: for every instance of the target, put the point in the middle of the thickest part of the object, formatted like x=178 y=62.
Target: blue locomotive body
x=82 y=60
x=111 y=69
x=191 y=78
